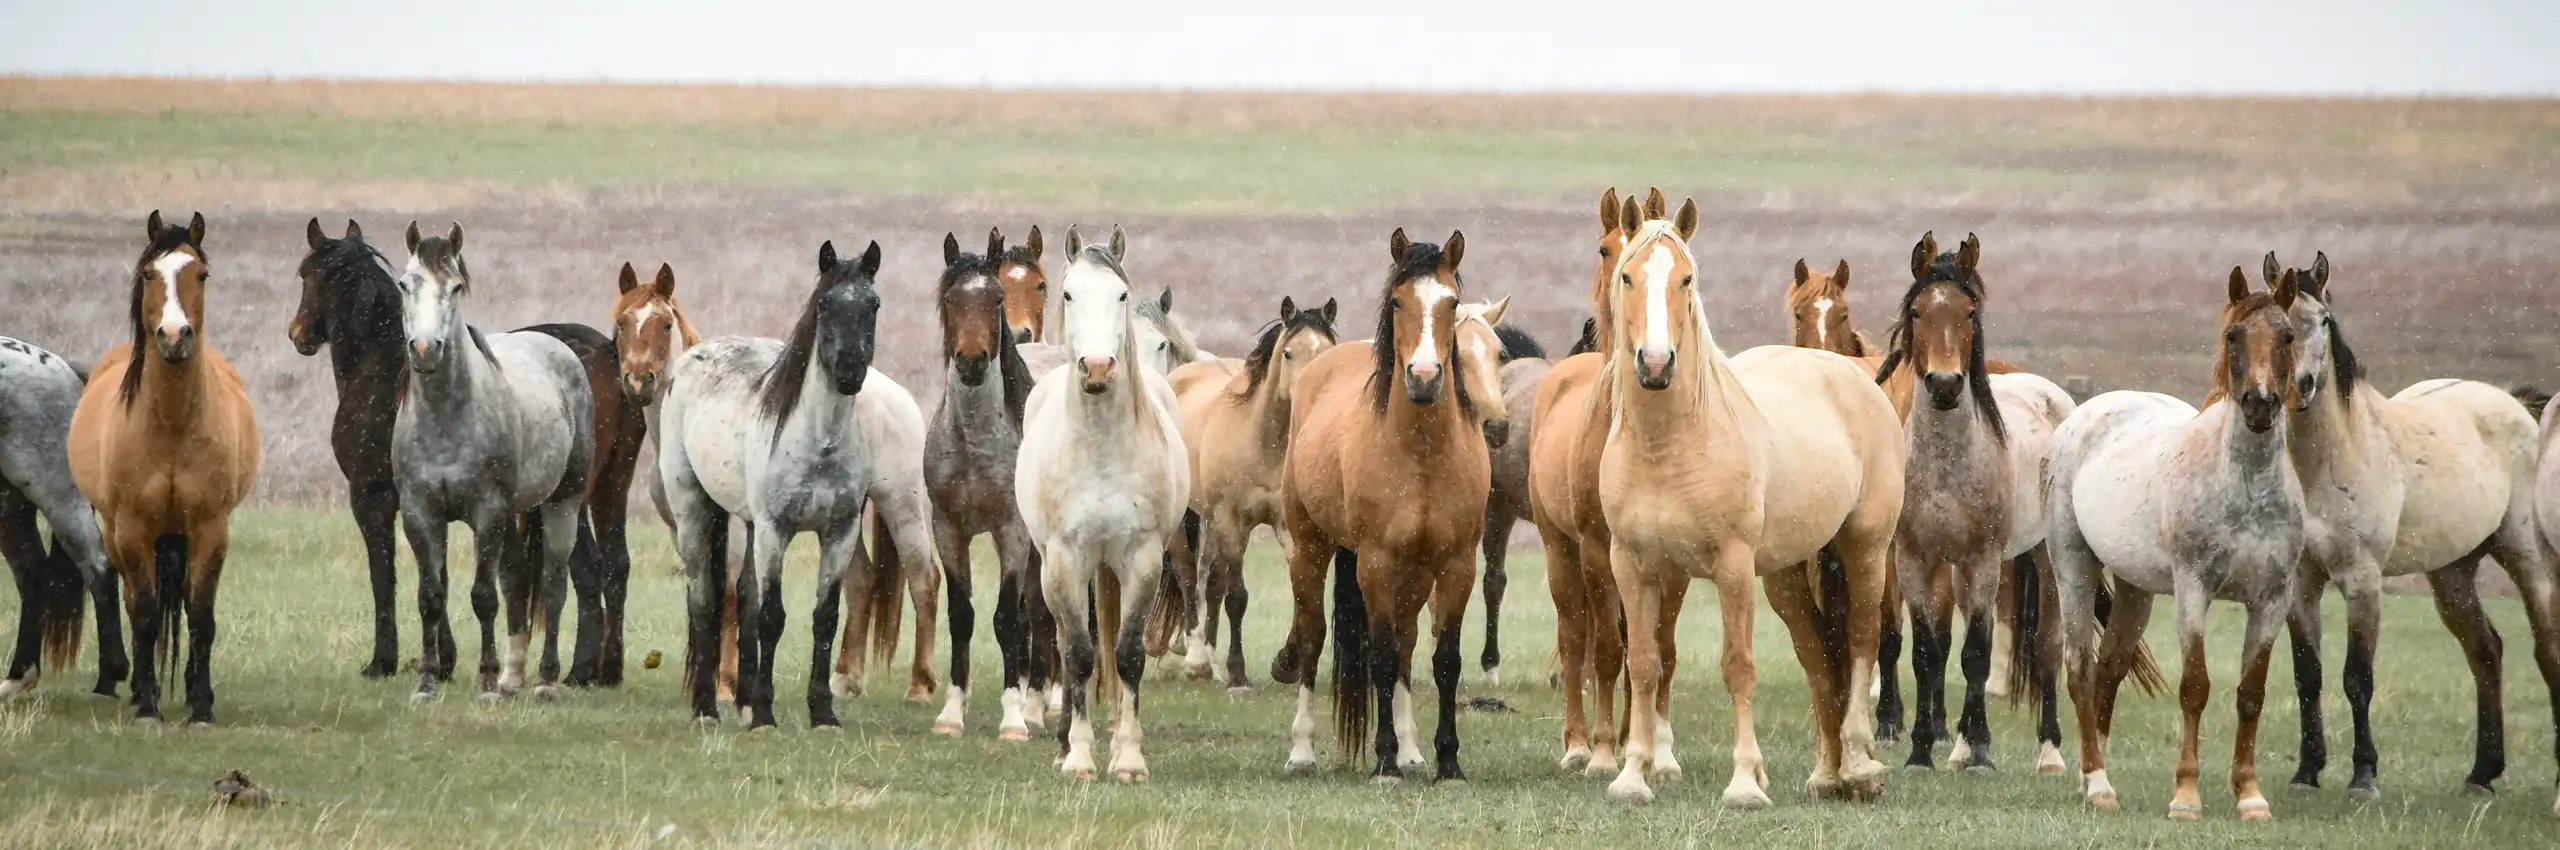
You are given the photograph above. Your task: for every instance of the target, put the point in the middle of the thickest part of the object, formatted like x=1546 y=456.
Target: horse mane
x=2342 y=360
x=1859 y=343
x=1420 y=260
x=1267 y=344
x=1186 y=348
x=1589 y=341
x=364 y=273
x=1018 y=255
x=1977 y=380
x=782 y=382
x=2232 y=314
x=170 y=238
x=1517 y=343
x=1010 y=368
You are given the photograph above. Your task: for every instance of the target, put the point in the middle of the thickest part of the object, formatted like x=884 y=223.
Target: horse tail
x=1830 y=580
x=2027 y=594
x=887 y=578
x=58 y=602
x=1351 y=698
x=2146 y=669
x=169 y=565
x=716 y=540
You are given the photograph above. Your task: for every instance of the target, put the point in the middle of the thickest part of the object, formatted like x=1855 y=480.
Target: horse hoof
x=707 y=722
x=2478 y=790
x=1079 y=774
x=2186 y=812
x=1493 y=677
x=1014 y=734
x=2365 y=794
x=1299 y=768
x=920 y=694
x=2256 y=808
x=1136 y=776
x=12 y=687
x=2103 y=802
x=1239 y=690
x=147 y=722
x=1630 y=790
x=842 y=685
x=199 y=724
x=1386 y=780
x=1745 y=799
x=378 y=670
x=1574 y=760
x=1980 y=770
x=950 y=730
x=422 y=698
x=1195 y=673
x=1661 y=775
x=546 y=693
x=1602 y=766
x=1453 y=784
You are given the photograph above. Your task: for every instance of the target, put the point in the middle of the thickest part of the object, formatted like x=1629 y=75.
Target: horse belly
x=2455 y=497
x=2121 y=523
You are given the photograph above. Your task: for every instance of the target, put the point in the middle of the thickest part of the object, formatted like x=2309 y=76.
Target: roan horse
x=2167 y=500
x=1733 y=470
x=495 y=431
x=769 y=430
x=969 y=455
x=1385 y=479
x=2427 y=481
x=165 y=446
x=1101 y=480
x=1973 y=495
x=38 y=392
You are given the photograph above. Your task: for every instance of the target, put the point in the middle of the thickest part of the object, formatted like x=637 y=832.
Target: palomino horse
x=1519 y=361
x=350 y=304
x=38 y=392
x=1385 y=479
x=495 y=431
x=165 y=447
x=2202 y=506
x=1235 y=421
x=969 y=456
x=1973 y=494
x=1732 y=470
x=2425 y=482
x=1101 y=480
x=769 y=430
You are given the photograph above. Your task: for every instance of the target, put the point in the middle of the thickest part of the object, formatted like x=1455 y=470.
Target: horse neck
x=1950 y=442
x=969 y=412
x=821 y=410
x=2245 y=455
x=2332 y=431
x=172 y=395
x=364 y=332
x=1679 y=412
x=449 y=389
x=1269 y=407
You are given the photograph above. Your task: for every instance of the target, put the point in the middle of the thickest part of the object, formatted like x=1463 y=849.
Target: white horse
x=2201 y=506
x=1163 y=341
x=770 y=431
x=1102 y=478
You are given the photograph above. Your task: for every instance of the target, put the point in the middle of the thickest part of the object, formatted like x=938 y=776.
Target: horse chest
x=827 y=479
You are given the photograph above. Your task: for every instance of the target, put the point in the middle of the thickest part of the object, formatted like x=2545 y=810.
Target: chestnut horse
x=165 y=446
x=1026 y=289
x=1735 y=470
x=1385 y=479
x=2199 y=505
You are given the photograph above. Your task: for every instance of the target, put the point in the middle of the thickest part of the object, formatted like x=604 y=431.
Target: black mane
x=1010 y=367
x=361 y=296
x=1420 y=261
x=169 y=239
x=1944 y=270
x=2343 y=359
x=1589 y=342
x=1267 y=344
x=781 y=393
x=1517 y=343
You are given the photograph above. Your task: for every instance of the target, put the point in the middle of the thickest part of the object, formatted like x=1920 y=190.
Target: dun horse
x=2425 y=482
x=1521 y=362
x=165 y=446
x=1732 y=470
x=38 y=392
x=2200 y=506
x=1101 y=480
x=1385 y=479
x=495 y=431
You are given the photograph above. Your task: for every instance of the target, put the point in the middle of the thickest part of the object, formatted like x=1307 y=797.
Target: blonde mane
x=1715 y=377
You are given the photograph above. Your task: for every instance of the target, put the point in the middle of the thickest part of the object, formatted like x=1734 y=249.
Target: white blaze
x=173 y=315
x=1657 y=296
x=1822 y=319
x=1427 y=352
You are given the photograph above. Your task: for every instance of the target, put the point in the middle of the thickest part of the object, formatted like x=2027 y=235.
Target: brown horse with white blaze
x=165 y=445
x=1385 y=479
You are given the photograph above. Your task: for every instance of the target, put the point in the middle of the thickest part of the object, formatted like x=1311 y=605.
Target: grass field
x=356 y=765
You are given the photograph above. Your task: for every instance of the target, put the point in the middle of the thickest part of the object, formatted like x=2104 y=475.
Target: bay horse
x=2197 y=505
x=1235 y=422
x=1519 y=362
x=969 y=458
x=2425 y=482
x=165 y=446
x=38 y=392
x=769 y=430
x=1972 y=496
x=1733 y=470
x=351 y=305
x=1385 y=480
x=1101 y=480
x=495 y=431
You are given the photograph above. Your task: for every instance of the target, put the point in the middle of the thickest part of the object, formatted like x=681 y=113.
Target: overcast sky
x=2153 y=46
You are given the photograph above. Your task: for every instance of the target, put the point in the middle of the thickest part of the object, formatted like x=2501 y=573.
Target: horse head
x=1653 y=297
x=645 y=330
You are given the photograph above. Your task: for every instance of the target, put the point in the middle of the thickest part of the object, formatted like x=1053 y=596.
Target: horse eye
x=1124 y=296
x=1068 y=297
x=1626 y=280
x=1685 y=281
x=1288 y=355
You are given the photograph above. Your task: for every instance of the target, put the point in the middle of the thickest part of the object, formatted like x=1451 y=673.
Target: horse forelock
x=1898 y=340
x=2251 y=308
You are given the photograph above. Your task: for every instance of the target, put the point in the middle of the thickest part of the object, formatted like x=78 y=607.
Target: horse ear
x=195 y=231
x=995 y=244
x=1655 y=205
x=2286 y=287
x=151 y=226
x=2239 y=285
x=826 y=256
x=870 y=260
x=1922 y=253
x=2270 y=270
x=1609 y=211
x=354 y=231
x=1630 y=215
x=1803 y=273
x=1493 y=314
x=1840 y=276
x=454 y=242
x=666 y=281
x=1075 y=244
x=1687 y=221
x=413 y=237
x=2319 y=285
x=1453 y=250
x=1120 y=247
x=1397 y=243
x=313 y=235
x=1328 y=310
x=1164 y=301
x=1032 y=244
x=950 y=248
x=1969 y=255
x=1288 y=309
x=630 y=280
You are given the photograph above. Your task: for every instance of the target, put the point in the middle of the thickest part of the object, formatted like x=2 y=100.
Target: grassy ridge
x=357 y=765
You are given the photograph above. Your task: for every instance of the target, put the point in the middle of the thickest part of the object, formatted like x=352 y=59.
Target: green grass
x=356 y=764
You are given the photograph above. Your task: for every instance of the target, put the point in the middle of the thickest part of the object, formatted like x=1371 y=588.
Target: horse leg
x=906 y=551
x=1662 y=766
x=2518 y=551
x=1928 y=663
x=586 y=576
x=1606 y=628
x=1866 y=572
x=559 y=548
x=2457 y=597
x=1218 y=565
x=1046 y=661
x=754 y=688
x=435 y=646
x=835 y=556
x=23 y=547
x=1792 y=598
x=1749 y=789
x=1497 y=580
x=1066 y=581
x=376 y=505
x=2129 y=613
x=2259 y=640
x=2004 y=619
x=1573 y=644
x=2048 y=645
x=1140 y=571
x=207 y=545
x=610 y=514
x=953 y=556
x=1017 y=592
x=736 y=572
x=1310 y=556
x=1942 y=614
x=2303 y=628
x=1888 y=681
x=505 y=564
x=2363 y=588
x=1233 y=600
x=1196 y=622
x=76 y=532
x=1449 y=612
x=1640 y=590
x=1981 y=588
x=2195 y=690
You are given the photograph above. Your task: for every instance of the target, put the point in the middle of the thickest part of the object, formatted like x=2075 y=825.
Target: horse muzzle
x=1946 y=389
x=1022 y=334
x=2259 y=410
x=1497 y=432
x=426 y=356
x=1422 y=382
x=1097 y=373
x=640 y=386
x=970 y=369
x=303 y=341
x=175 y=344
x=1653 y=368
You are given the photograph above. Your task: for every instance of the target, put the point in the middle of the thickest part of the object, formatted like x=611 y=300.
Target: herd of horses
x=1119 y=472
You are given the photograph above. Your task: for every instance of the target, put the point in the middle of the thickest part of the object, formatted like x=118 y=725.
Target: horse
x=495 y=431
x=1026 y=289
x=650 y=330
x=1564 y=502
x=2199 y=505
x=1385 y=479
x=2425 y=482
x=351 y=305
x=770 y=430
x=1972 y=495
x=1818 y=313
x=600 y=562
x=1517 y=361
x=969 y=457
x=1235 y=422
x=165 y=448
x=1101 y=479
x=1163 y=341
x=38 y=392
x=1733 y=470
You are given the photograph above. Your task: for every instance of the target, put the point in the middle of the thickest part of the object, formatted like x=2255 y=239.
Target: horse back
x=1832 y=449
x=2467 y=461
